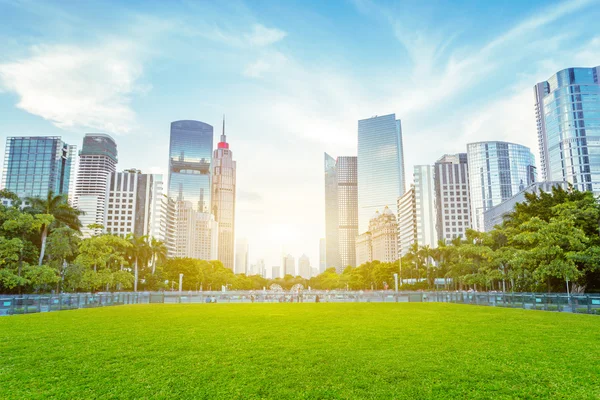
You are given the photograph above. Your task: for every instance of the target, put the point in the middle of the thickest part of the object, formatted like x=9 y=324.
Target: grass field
x=313 y=351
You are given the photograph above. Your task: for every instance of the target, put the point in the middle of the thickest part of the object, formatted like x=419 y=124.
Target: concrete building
x=380 y=242
x=407 y=222
x=426 y=217
x=275 y=272
x=37 y=165
x=260 y=268
x=304 y=268
x=497 y=171
x=289 y=265
x=567 y=108
x=97 y=159
x=322 y=255
x=134 y=205
x=452 y=199
x=223 y=198
x=196 y=233
x=495 y=215
x=341 y=211
x=380 y=166
x=242 y=256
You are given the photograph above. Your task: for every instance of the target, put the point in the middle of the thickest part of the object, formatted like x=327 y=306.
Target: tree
x=159 y=253
x=139 y=251
x=60 y=210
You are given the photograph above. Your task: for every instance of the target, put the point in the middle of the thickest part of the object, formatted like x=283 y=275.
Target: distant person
x=207 y=300
x=317 y=300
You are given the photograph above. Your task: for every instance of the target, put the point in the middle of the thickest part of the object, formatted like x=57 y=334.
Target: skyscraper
x=341 y=211
x=322 y=255
x=190 y=188
x=241 y=256
x=97 y=159
x=497 y=171
x=425 y=205
x=132 y=200
x=289 y=265
x=332 y=255
x=223 y=198
x=407 y=221
x=567 y=108
x=304 y=269
x=380 y=166
x=36 y=165
x=452 y=199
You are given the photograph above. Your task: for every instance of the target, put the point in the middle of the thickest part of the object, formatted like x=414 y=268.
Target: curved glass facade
x=190 y=155
x=497 y=171
x=380 y=166
x=568 y=122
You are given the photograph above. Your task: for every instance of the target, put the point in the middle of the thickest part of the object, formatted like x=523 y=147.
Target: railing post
x=589 y=304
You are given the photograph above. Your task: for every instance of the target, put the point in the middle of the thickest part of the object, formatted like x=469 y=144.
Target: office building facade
x=567 y=108
x=97 y=159
x=426 y=215
x=497 y=171
x=380 y=166
x=242 y=251
x=289 y=265
x=407 y=221
x=452 y=198
x=223 y=199
x=37 y=165
x=332 y=254
x=304 y=269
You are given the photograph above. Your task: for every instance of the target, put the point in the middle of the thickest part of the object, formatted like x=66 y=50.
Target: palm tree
x=425 y=252
x=139 y=251
x=59 y=208
x=159 y=252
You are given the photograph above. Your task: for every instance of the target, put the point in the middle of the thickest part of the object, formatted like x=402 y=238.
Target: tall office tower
x=260 y=268
x=304 y=269
x=407 y=221
x=241 y=256
x=497 y=171
x=97 y=159
x=452 y=199
x=289 y=265
x=425 y=205
x=567 y=108
x=322 y=255
x=161 y=213
x=36 y=165
x=341 y=211
x=380 y=166
x=133 y=199
x=190 y=152
x=332 y=255
x=223 y=198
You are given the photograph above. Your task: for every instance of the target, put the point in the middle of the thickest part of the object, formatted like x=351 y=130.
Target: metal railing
x=561 y=302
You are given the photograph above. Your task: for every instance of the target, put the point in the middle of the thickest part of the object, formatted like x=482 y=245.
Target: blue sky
x=292 y=77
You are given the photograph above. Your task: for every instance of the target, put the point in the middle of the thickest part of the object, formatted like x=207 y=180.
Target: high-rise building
x=497 y=171
x=36 y=165
x=241 y=256
x=289 y=265
x=322 y=255
x=380 y=166
x=407 y=221
x=332 y=254
x=223 y=198
x=425 y=205
x=275 y=272
x=190 y=156
x=97 y=159
x=260 y=268
x=133 y=199
x=304 y=269
x=162 y=214
x=380 y=242
x=341 y=211
x=452 y=199
x=567 y=108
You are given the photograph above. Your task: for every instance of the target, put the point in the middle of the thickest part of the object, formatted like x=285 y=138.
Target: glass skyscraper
x=567 y=109
x=35 y=165
x=497 y=171
x=190 y=155
x=380 y=166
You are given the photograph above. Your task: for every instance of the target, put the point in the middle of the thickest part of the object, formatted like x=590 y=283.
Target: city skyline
x=275 y=120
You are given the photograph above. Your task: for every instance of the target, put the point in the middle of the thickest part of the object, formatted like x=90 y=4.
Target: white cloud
x=268 y=62
x=78 y=87
x=263 y=36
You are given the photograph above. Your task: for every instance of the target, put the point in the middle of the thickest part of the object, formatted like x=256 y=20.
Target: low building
x=380 y=242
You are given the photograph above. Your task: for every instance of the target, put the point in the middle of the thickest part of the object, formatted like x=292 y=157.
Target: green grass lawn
x=313 y=351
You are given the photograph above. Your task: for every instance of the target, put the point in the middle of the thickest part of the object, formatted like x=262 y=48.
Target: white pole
x=180 y=282
x=396 y=282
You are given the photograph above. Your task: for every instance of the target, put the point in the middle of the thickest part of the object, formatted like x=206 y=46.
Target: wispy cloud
x=263 y=36
x=78 y=87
